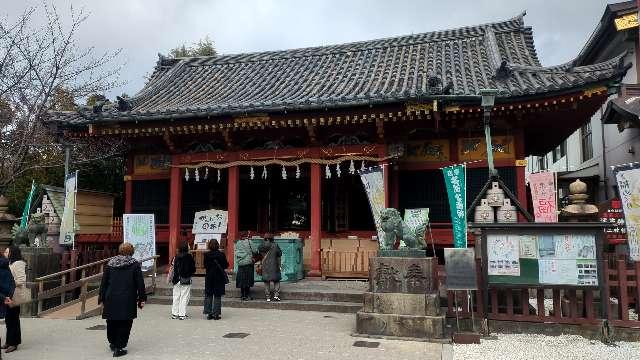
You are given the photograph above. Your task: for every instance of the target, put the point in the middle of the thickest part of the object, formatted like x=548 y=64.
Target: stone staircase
x=321 y=296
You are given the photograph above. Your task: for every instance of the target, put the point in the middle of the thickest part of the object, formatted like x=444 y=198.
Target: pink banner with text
x=543 y=195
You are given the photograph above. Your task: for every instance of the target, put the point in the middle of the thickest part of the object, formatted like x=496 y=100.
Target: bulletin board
x=543 y=254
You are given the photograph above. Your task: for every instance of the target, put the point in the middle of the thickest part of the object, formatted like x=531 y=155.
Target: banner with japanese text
x=140 y=231
x=543 y=196
x=455 y=180
x=373 y=182
x=68 y=222
x=629 y=188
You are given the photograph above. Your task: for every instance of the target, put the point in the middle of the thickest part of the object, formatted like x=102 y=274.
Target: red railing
x=556 y=304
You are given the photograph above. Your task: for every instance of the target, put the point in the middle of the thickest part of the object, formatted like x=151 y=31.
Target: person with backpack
x=183 y=269
x=215 y=263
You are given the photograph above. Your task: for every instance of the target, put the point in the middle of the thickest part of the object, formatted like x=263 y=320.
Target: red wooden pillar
x=521 y=187
x=316 y=219
x=233 y=209
x=175 y=209
x=128 y=186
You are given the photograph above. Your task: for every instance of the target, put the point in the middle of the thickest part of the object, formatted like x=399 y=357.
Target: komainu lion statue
x=37 y=229
x=396 y=229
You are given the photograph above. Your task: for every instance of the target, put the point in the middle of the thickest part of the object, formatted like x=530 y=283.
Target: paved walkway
x=273 y=334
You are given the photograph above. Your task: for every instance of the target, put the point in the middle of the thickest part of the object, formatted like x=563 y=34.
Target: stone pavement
x=273 y=334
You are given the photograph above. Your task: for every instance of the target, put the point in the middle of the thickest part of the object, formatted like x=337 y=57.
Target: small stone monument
x=402 y=301
x=578 y=209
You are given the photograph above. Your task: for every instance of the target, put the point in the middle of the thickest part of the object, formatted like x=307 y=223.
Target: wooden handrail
x=81 y=283
x=63 y=272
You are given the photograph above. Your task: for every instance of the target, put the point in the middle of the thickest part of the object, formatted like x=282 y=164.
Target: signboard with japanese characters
x=543 y=196
x=611 y=213
x=210 y=222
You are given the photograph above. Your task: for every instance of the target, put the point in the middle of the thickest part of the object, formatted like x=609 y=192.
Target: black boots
x=119 y=352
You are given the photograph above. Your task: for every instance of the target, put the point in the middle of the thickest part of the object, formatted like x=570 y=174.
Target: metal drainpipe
x=605 y=178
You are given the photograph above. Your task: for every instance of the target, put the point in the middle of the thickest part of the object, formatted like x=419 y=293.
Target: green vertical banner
x=455 y=180
x=27 y=206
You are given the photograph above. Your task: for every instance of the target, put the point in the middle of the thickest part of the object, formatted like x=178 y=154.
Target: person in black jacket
x=215 y=262
x=7 y=286
x=121 y=290
x=183 y=269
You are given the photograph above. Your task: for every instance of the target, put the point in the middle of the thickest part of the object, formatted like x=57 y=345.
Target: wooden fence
x=346 y=264
x=556 y=304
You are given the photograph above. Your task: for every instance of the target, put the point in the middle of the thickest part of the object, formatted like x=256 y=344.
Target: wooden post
x=316 y=219
x=63 y=282
x=175 y=208
x=40 y=291
x=83 y=292
x=233 y=209
x=622 y=290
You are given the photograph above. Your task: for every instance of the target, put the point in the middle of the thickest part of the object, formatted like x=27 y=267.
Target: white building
x=590 y=151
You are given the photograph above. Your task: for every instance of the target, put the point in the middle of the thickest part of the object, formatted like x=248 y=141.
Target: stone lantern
x=578 y=209
x=6 y=223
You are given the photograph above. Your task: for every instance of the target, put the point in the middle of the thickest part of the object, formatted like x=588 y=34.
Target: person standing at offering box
x=215 y=263
x=271 y=275
x=245 y=256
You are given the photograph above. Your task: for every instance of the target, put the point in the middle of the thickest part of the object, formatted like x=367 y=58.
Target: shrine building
x=276 y=138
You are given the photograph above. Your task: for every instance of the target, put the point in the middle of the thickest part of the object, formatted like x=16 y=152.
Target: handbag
x=259 y=265
x=183 y=280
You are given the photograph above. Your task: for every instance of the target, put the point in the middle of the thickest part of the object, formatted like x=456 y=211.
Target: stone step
x=289 y=304
x=297 y=295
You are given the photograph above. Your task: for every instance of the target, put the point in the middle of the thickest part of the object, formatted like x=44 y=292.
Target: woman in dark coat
x=215 y=262
x=17 y=266
x=7 y=286
x=122 y=291
x=271 y=274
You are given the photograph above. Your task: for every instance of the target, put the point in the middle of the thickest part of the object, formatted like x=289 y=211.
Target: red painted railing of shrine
x=556 y=304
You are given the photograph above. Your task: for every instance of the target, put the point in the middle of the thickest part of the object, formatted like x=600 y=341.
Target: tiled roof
x=456 y=62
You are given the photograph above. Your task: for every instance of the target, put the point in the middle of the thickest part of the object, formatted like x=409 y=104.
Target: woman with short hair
x=122 y=291
x=21 y=295
x=271 y=273
x=183 y=269
x=215 y=263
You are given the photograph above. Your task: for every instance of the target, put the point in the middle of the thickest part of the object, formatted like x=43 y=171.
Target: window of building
x=542 y=163
x=587 y=144
x=560 y=151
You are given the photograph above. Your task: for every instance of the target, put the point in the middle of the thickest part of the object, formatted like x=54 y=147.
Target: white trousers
x=181 y=296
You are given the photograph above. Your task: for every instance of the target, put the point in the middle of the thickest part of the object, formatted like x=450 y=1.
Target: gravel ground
x=526 y=346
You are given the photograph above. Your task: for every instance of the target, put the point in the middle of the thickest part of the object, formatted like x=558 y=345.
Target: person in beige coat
x=20 y=296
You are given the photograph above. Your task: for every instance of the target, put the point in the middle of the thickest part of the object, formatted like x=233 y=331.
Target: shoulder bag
x=259 y=265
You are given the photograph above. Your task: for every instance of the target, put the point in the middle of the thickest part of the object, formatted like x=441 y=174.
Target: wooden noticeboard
x=542 y=254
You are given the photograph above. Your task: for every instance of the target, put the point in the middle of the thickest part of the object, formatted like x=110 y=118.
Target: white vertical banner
x=373 y=182
x=629 y=188
x=140 y=231
x=68 y=222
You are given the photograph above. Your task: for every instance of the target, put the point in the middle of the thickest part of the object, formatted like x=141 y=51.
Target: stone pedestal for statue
x=402 y=301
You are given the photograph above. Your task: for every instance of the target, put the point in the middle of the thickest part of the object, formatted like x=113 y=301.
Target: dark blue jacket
x=7 y=285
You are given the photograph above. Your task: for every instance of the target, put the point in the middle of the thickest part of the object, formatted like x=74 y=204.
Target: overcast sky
x=142 y=28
